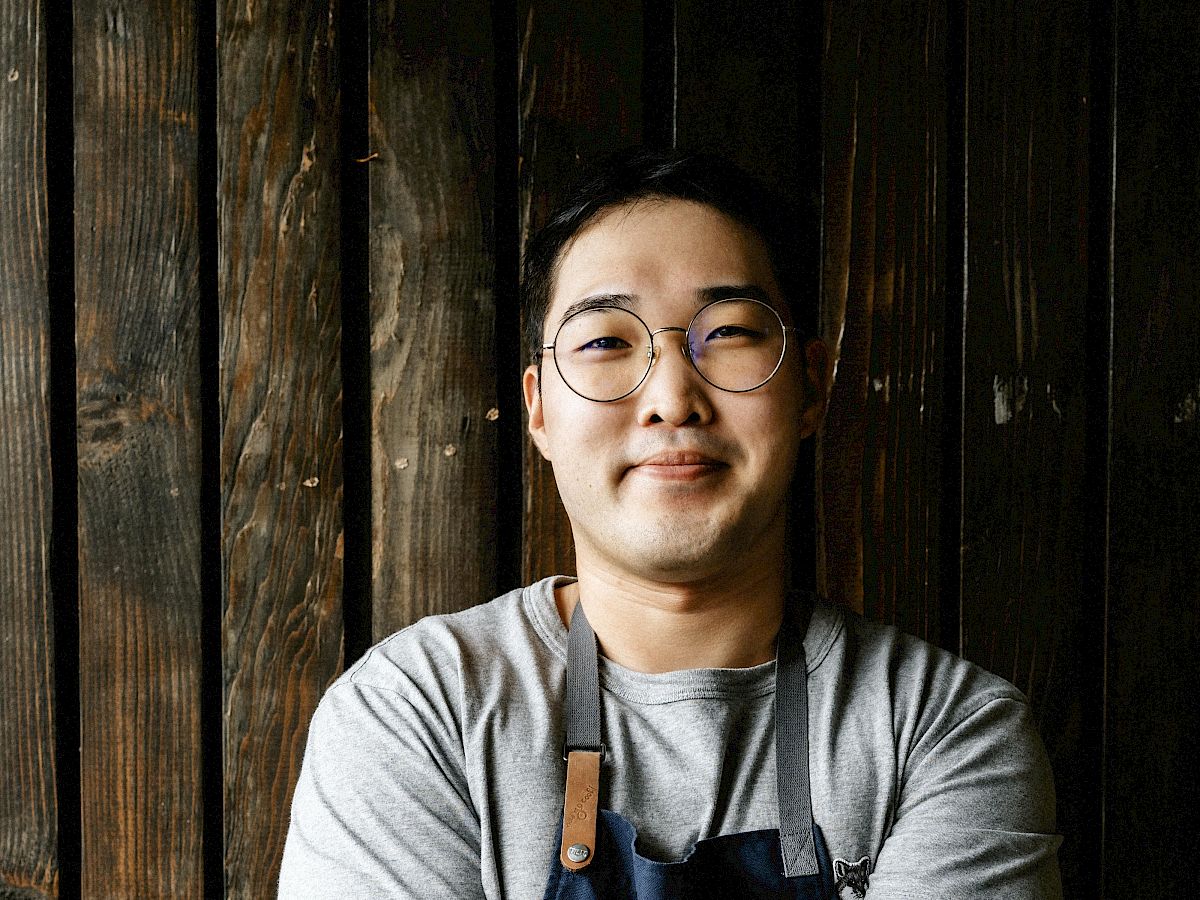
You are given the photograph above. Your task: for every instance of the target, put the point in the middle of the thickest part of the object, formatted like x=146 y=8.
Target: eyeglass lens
x=603 y=354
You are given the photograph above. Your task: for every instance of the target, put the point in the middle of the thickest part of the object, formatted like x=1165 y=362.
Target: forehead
x=661 y=251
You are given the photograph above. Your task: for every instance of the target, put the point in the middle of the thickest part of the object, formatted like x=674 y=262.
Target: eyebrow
x=597 y=301
x=725 y=291
x=703 y=296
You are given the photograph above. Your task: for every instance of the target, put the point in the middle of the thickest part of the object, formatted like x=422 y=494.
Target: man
x=731 y=737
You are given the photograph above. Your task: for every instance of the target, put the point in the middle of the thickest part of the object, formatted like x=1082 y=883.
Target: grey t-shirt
x=434 y=765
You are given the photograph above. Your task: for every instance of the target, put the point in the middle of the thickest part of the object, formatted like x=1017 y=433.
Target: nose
x=673 y=392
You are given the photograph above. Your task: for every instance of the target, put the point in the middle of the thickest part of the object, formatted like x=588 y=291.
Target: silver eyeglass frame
x=685 y=347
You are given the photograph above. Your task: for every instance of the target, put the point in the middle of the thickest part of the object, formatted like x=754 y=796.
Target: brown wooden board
x=433 y=385
x=137 y=313
x=28 y=857
x=883 y=285
x=278 y=120
x=1152 y=793
x=1023 y=526
x=579 y=73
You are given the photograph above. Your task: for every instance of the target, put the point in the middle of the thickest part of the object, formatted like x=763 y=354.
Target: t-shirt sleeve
x=381 y=807
x=975 y=816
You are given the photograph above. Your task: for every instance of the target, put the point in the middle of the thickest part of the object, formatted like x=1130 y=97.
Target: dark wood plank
x=1152 y=796
x=743 y=90
x=278 y=119
x=1023 y=527
x=138 y=375
x=883 y=283
x=28 y=857
x=433 y=383
x=580 y=94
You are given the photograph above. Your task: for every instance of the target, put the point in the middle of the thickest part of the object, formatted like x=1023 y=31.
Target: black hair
x=642 y=173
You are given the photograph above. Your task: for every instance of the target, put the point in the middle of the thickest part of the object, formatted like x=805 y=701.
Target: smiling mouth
x=679 y=466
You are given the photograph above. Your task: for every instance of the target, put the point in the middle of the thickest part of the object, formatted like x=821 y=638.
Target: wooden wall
x=259 y=373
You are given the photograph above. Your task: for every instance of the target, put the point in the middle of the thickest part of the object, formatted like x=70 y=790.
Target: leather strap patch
x=579 y=814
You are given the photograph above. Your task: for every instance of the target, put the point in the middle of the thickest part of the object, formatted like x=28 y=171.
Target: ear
x=839 y=868
x=816 y=385
x=533 y=406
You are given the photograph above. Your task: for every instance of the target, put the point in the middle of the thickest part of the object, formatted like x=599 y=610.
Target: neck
x=727 y=621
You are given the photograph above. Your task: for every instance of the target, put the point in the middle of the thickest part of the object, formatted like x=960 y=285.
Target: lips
x=680 y=458
x=679 y=465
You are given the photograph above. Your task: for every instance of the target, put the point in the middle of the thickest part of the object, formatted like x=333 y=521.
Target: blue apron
x=597 y=859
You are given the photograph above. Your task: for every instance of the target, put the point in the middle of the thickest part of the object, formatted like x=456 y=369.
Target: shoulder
x=440 y=661
x=938 y=719
x=960 y=793
x=923 y=684
x=389 y=796
x=435 y=644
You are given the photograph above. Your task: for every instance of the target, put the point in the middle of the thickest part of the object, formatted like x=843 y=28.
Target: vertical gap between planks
x=507 y=340
x=950 y=592
x=64 y=542
x=354 y=31
x=1097 y=462
x=212 y=765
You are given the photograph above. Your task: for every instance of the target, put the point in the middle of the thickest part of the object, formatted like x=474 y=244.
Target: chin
x=673 y=553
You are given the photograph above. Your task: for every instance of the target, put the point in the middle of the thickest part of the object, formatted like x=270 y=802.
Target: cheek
x=770 y=431
x=557 y=402
x=774 y=410
x=575 y=425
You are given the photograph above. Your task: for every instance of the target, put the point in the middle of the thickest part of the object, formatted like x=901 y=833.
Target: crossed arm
x=383 y=808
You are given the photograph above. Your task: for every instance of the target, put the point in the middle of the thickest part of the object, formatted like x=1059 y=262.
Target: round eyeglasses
x=604 y=353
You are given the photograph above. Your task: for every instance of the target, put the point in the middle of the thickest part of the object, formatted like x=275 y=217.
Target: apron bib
x=597 y=857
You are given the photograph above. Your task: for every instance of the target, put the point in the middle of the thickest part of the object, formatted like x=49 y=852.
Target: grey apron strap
x=582 y=749
x=791 y=747
x=791 y=726
x=583 y=687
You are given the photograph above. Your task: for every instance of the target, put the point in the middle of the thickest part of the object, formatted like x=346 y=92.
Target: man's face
x=679 y=481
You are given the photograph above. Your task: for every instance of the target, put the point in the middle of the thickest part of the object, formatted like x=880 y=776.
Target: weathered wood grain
x=433 y=383
x=28 y=857
x=1027 y=289
x=580 y=93
x=883 y=283
x=278 y=119
x=1023 y=527
x=137 y=313
x=1152 y=794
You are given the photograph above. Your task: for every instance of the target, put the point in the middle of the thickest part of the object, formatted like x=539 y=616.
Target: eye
x=734 y=331
x=606 y=343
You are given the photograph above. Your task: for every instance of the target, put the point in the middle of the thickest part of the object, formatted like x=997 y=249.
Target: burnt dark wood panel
x=137 y=313
x=1152 y=795
x=744 y=90
x=433 y=384
x=28 y=857
x=278 y=120
x=1023 y=528
x=580 y=92
x=882 y=304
